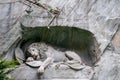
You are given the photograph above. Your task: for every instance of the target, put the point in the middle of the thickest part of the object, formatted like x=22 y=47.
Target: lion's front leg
x=44 y=65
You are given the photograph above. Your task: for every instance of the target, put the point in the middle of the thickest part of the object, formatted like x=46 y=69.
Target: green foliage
x=6 y=67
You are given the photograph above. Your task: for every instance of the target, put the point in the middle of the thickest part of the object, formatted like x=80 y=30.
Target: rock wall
x=101 y=17
x=98 y=16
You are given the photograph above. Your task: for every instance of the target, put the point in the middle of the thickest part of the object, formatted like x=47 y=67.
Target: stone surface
x=64 y=72
x=109 y=67
x=24 y=73
x=98 y=16
x=116 y=41
x=34 y=63
x=52 y=72
x=101 y=17
x=69 y=69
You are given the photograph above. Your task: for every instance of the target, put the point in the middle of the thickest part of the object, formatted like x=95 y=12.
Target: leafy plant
x=5 y=68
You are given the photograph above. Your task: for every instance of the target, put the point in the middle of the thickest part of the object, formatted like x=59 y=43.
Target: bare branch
x=51 y=21
x=38 y=4
x=54 y=12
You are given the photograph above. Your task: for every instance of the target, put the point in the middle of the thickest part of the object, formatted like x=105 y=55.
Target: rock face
x=72 y=38
x=109 y=67
x=64 y=72
x=25 y=73
x=53 y=72
x=101 y=17
x=116 y=41
x=58 y=69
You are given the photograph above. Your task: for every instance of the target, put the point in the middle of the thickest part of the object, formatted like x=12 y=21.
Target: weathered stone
x=72 y=38
x=24 y=72
x=116 y=41
x=72 y=55
x=52 y=72
x=109 y=67
x=34 y=63
x=91 y=15
x=101 y=17
x=64 y=72
x=76 y=66
x=19 y=55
